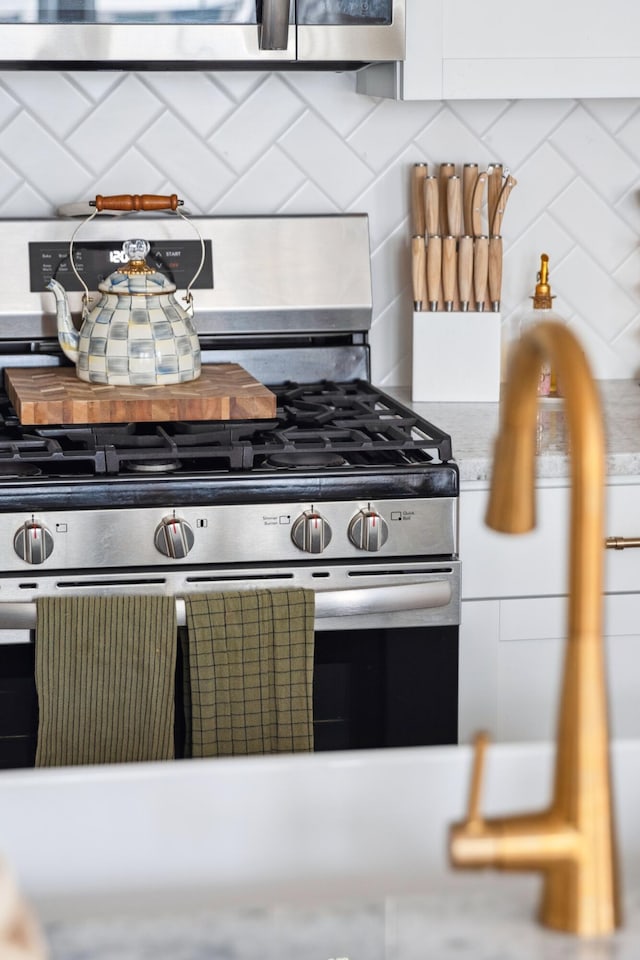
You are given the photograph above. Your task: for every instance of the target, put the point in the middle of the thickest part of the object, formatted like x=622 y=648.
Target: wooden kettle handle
x=134 y=201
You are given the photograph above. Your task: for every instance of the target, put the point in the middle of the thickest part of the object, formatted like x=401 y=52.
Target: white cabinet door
x=464 y=50
x=514 y=614
x=478 y=674
x=541 y=50
x=622 y=633
x=529 y=664
x=529 y=667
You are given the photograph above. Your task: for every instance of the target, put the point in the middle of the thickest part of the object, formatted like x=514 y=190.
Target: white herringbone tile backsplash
x=243 y=143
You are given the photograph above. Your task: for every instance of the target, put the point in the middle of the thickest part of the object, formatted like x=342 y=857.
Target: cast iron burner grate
x=357 y=420
x=337 y=425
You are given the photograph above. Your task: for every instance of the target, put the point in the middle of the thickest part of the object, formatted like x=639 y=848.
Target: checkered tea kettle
x=136 y=333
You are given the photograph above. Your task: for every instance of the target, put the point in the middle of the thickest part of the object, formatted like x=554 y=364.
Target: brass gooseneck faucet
x=572 y=842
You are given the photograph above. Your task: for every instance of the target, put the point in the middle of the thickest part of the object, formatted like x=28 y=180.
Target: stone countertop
x=473 y=427
x=295 y=857
x=487 y=917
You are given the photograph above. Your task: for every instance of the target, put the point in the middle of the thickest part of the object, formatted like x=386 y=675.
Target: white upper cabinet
x=465 y=50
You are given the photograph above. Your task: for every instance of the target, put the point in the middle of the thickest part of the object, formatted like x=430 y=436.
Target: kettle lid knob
x=136 y=249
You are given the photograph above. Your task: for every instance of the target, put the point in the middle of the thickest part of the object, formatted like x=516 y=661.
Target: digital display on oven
x=96 y=260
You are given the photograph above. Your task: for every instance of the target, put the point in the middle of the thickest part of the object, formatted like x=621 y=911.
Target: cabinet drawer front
x=622 y=567
x=541 y=31
x=501 y=565
x=536 y=563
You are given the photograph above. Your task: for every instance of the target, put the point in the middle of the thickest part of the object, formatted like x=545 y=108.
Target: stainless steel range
x=345 y=490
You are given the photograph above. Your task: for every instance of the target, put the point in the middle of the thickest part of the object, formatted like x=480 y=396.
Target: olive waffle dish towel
x=249 y=672
x=105 y=676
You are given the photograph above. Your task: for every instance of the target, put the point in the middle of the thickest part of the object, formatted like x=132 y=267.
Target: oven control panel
x=240 y=533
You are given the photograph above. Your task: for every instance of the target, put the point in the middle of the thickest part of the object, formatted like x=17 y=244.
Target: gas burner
x=12 y=468
x=152 y=466
x=298 y=460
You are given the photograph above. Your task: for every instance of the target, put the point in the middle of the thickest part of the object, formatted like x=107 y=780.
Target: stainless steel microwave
x=213 y=34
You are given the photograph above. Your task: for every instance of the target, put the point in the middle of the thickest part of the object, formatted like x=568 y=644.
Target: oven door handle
x=359 y=601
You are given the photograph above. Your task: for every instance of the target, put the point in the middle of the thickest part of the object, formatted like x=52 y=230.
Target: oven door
x=386 y=687
x=386 y=649
x=144 y=34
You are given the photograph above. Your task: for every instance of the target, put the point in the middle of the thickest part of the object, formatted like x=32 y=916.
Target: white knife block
x=456 y=356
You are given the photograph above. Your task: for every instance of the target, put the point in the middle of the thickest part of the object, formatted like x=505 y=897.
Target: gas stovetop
x=343 y=470
x=326 y=435
x=349 y=425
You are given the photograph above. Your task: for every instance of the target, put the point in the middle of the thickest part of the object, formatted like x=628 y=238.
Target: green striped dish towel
x=105 y=676
x=249 y=672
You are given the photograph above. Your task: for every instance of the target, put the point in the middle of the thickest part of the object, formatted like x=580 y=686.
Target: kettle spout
x=68 y=336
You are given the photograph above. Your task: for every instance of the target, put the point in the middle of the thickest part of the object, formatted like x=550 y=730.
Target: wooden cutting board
x=55 y=395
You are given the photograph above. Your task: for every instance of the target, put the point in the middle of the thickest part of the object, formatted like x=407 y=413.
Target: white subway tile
x=42 y=160
x=250 y=130
x=114 y=124
x=326 y=159
x=599 y=158
x=593 y=223
x=265 y=187
x=195 y=98
x=186 y=160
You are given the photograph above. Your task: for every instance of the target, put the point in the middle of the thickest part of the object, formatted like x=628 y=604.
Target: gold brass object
x=136 y=268
x=621 y=543
x=572 y=843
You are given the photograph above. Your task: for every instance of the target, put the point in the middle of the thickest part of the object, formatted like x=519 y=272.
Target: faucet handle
x=474 y=817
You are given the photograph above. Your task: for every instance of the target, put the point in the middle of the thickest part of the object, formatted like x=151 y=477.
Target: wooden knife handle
x=496 y=223
x=495 y=271
x=476 y=204
x=134 y=201
x=448 y=271
x=418 y=272
x=465 y=270
x=454 y=206
x=494 y=187
x=469 y=177
x=480 y=270
x=432 y=201
x=434 y=271
x=446 y=170
x=418 y=175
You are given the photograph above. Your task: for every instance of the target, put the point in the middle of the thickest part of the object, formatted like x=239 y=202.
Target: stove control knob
x=368 y=531
x=174 y=537
x=33 y=542
x=311 y=532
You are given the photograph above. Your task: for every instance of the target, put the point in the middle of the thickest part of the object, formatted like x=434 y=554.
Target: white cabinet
x=463 y=50
x=514 y=613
